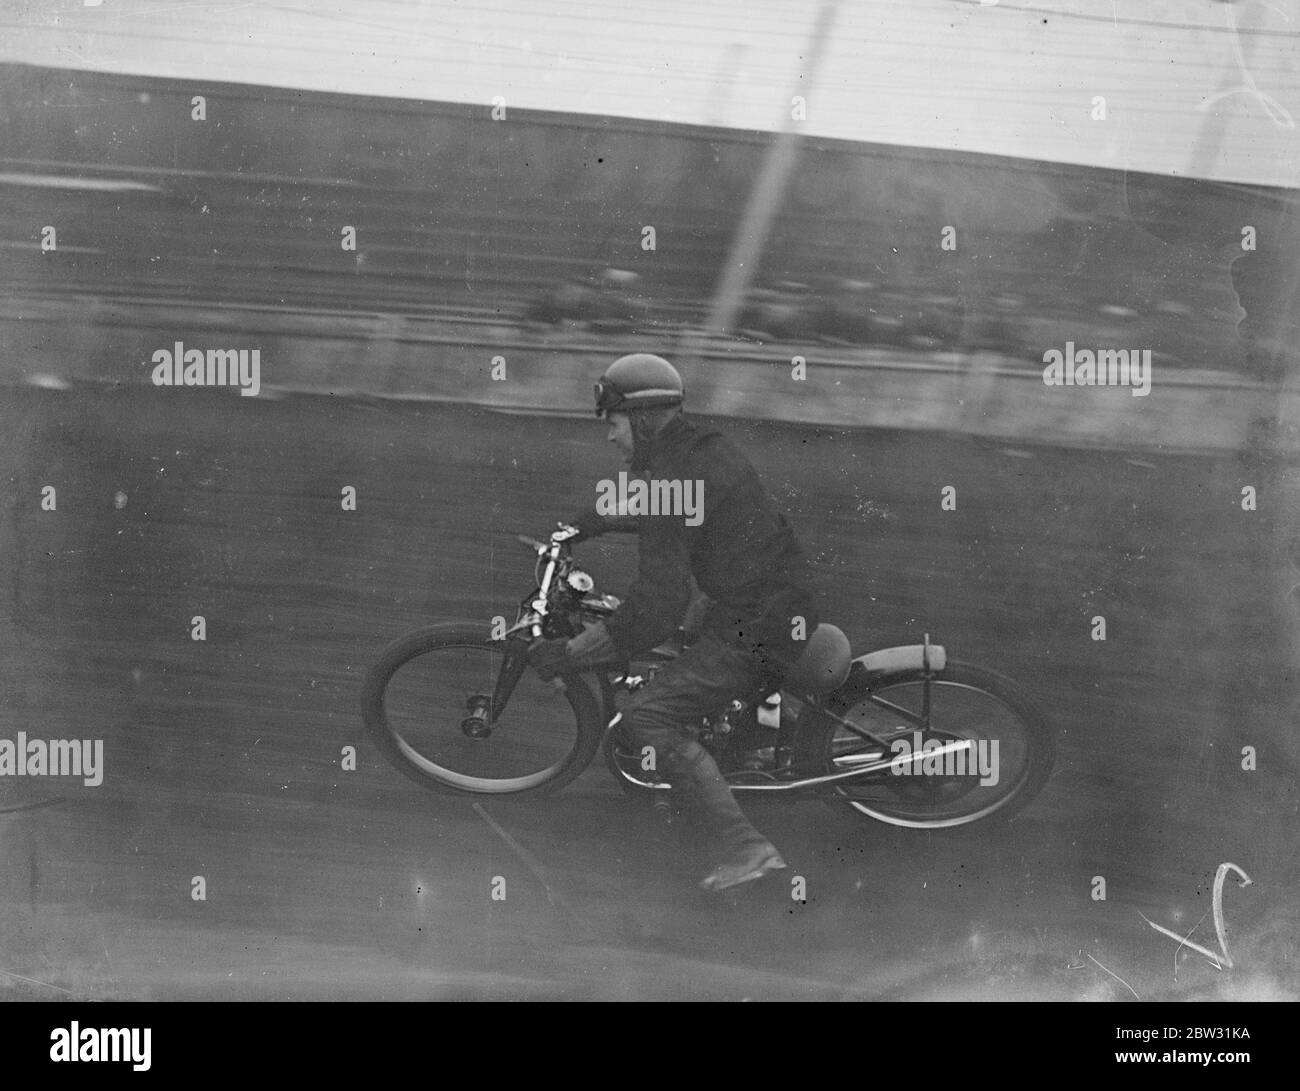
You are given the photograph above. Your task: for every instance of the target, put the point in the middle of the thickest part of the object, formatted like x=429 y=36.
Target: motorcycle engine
x=729 y=728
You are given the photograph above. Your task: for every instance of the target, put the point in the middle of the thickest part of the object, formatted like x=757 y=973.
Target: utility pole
x=764 y=199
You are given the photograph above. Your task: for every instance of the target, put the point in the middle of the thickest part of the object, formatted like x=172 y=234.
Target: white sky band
x=1002 y=79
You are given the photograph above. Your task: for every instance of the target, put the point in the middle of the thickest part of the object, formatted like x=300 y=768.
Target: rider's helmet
x=638 y=381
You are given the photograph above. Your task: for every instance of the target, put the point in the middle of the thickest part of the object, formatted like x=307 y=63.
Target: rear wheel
x=425 y=704
x=996 y=746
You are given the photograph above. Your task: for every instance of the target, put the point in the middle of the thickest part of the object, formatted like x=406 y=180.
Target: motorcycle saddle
x=824 y=664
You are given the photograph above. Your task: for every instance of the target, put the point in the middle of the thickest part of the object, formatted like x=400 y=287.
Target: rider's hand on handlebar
x=592 y=646
x=550 y=658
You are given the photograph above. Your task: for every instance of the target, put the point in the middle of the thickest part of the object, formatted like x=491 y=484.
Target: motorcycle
x=904 y=735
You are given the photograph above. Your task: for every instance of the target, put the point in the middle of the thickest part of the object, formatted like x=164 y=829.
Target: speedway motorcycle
x=904 y=735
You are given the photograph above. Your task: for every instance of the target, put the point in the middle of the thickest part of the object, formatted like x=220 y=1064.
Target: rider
x=744 y=557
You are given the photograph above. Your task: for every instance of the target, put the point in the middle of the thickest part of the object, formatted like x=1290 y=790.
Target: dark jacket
x=743 y=554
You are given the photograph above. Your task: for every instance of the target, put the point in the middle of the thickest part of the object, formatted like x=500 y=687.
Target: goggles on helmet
x=608 y=396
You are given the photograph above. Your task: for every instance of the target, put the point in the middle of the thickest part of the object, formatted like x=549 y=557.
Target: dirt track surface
x=223 y=757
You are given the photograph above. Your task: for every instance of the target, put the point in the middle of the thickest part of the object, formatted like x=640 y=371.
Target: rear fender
x=901 y=659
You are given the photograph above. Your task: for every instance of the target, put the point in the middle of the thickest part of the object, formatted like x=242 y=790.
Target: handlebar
x=565 y=533
x=550 y=553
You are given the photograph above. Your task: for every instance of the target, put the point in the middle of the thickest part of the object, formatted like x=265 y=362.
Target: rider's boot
x=744 y=863
x=745 y=854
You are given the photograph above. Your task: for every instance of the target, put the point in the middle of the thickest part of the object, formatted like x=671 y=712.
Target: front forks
x=482 y=713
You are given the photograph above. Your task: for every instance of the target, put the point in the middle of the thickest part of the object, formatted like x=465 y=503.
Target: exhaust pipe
x=862 y=770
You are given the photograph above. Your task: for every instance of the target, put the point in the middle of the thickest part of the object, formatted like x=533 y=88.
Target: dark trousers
x=700 y=681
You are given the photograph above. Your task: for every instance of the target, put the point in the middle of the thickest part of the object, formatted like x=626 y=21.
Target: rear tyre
x=1014 y=747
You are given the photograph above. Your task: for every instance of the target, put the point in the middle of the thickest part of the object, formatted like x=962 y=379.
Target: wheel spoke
x=935 y=781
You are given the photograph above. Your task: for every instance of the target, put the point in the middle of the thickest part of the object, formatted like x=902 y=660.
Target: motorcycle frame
x=534 y=611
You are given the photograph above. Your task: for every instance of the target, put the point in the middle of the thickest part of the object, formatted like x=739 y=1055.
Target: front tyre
x=423 y=703
x=1009 y=756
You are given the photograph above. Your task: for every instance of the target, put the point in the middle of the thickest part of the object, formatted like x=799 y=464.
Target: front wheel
x=427 y=704
x=975 y=747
